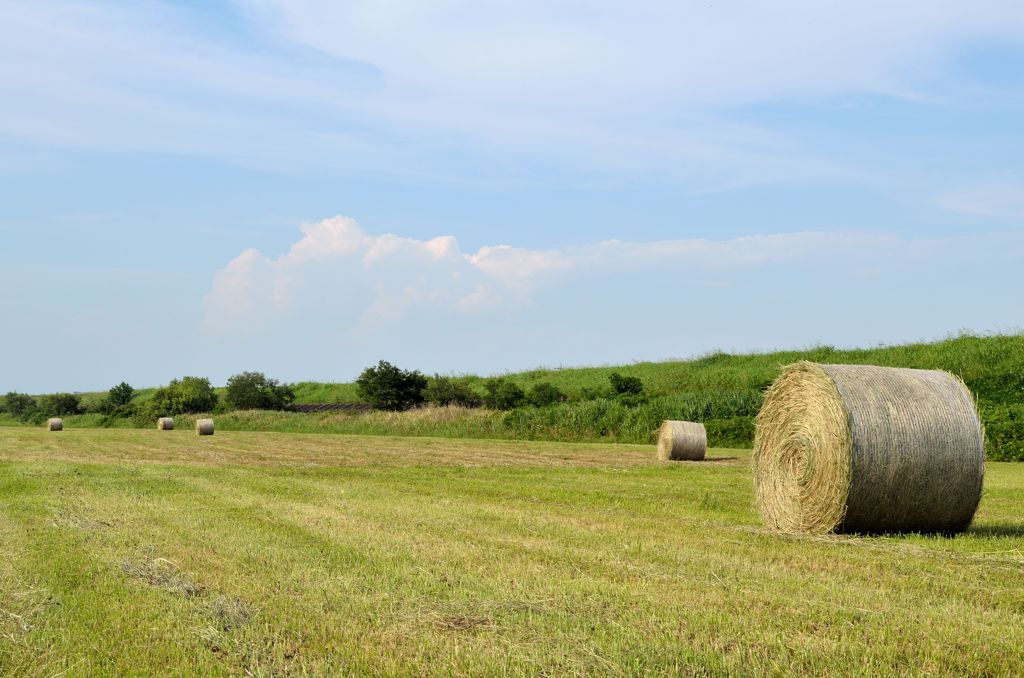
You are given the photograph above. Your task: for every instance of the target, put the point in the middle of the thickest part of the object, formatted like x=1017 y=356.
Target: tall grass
x=723 y=391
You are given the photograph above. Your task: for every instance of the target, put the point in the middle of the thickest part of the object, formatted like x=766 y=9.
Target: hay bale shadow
x=997 y=530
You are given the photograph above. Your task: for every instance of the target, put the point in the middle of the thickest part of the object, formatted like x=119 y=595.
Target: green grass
x=129 y=552
x=722 y=391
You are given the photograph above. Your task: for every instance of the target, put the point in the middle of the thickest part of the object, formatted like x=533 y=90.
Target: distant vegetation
x=621 y=404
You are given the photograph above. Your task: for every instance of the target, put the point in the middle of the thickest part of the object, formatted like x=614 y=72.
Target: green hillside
x=723 y=391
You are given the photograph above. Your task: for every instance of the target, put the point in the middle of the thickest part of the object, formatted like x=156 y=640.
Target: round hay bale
x=682 y=441
x=204 y=427
x=858 y=448
x=165 y=424
x=55 y=424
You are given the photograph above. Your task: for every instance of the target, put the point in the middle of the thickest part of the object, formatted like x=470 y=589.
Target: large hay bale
x=204 y=427
x=858 y=448
x=165 y=424
x=55 y=424
x=682 y=441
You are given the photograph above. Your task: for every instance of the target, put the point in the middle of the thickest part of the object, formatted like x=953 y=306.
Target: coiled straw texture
x=165 y=424
x=858 y=448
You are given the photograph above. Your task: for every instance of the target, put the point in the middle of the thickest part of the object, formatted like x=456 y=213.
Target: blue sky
x=304 y=187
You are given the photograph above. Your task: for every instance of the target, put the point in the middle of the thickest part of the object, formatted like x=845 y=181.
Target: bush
x=544 y=394
x=446 y=391
x=730 y=432
x=254 y=391
x=625 y=385
x=188 y=395
x=59 y=405
x=19 y=404
x=118 y=401
x=1004 y=431
x=387 y=387
x=503 y=394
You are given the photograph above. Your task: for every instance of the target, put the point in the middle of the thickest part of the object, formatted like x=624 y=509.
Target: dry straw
x=204 y=427
x=682 y=441
x=165 y=424
x=858 y=448
x=55 y=424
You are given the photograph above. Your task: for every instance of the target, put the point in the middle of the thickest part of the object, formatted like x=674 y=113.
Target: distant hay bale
x=858 y=448
x=682 y=441
x=165 y=424
x=204 y=427
x=55 y=424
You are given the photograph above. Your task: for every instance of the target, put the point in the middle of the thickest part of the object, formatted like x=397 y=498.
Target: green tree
x=447 y=391
x=387 y=387
x=20 y=405
x=503 y=394
x=254 y=391
x=118 y=401
x=625 y=385
x=59 y=404
x=188 y=395
x=120 y=395
x=545 y=393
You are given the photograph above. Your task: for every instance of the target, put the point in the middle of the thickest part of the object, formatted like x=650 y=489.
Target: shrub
x=118 y=401
x=1004 y=431
x=254 y=391
x=188 y=395
x=387 y=387
x=59 y=405
x=445 y=391
x=20 y=405
x=544 y=394
x=625 y=385
x=503 y=394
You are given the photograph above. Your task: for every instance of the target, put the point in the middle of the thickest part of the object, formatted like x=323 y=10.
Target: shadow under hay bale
x=859 y=448
x=682 y=441
x=165 y=424
x=204 y=427
x=55 y=424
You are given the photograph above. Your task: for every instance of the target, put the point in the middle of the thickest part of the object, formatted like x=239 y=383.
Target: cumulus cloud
x=357 y=280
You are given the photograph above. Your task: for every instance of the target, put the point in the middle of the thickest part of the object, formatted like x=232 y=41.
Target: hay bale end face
x=165 y=424
x=204 y=427
x=55 y=424
x=859 y=448
x=682 y=441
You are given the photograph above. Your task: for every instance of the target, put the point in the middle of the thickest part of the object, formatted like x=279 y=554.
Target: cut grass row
x=128 y=552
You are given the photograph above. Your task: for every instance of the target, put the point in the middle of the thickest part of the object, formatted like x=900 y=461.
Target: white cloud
x=355 y=280
x=475 y=91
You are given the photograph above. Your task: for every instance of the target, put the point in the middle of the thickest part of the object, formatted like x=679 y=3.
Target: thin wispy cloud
x=643 y=91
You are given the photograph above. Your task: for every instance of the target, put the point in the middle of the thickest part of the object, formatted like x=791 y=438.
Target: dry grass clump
x=204 y=427
x=858 y=448
x=55 y=424
x=682 y=441
x=165 y=424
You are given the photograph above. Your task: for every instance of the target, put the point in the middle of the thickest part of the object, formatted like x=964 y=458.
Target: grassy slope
x=993 y=366
x=127 y=552
x=723 y=391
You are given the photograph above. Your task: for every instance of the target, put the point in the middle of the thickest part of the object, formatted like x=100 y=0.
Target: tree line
x=383 y=386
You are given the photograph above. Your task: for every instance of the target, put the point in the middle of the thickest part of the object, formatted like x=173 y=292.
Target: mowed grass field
x=130 y=552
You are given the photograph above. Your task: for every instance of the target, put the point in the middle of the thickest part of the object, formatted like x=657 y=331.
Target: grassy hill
x=723 y=391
